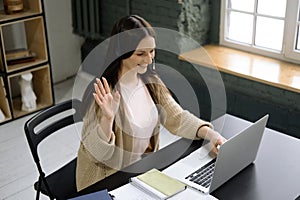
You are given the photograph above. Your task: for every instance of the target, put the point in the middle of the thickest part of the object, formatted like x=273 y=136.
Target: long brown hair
x=126 y=34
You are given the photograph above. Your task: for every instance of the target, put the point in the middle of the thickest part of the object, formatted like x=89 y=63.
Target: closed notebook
x=158 y=184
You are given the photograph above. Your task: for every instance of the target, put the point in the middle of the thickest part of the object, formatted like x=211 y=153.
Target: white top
x=142 y=114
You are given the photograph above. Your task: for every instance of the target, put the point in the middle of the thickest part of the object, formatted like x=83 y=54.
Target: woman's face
x=141 y=57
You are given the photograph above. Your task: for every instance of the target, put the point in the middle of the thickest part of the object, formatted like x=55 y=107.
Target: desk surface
x=274 y=175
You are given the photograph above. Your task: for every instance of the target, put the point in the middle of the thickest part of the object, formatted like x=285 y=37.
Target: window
x=267 y=27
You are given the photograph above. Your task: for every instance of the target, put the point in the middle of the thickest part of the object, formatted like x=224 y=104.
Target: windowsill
x=247 y=65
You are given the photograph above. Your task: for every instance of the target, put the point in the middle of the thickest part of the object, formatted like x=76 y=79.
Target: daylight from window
x=263 y=28
x=269 y=33
x=262 y=25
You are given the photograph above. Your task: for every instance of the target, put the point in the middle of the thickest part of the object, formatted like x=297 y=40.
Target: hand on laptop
x=215 y=139
x=216 y=143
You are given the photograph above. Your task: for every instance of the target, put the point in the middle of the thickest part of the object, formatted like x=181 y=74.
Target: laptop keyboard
x=203 y=175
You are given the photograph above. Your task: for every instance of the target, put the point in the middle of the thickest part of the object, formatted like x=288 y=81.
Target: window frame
x=292 y=24
x=289 y=38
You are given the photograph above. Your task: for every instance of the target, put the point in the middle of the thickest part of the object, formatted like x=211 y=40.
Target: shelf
x=31 y=8
x=254 y=67
x=41 y=84
x=4 y=106
x=24 y=50
x=32 y=31
x=15 y=67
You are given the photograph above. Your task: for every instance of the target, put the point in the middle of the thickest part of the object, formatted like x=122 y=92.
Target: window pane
x=240 y=27
x=271 y=7
x=244 y=5
x=269 y=33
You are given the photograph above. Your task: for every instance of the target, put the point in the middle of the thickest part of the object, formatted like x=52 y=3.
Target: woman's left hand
x=215 y=139
x=216 y=142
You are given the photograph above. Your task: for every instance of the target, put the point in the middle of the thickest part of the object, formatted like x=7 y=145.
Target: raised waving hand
x=107 y=100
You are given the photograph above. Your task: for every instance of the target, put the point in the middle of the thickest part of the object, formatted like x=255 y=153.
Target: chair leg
x=37 y=197
x=38 y=190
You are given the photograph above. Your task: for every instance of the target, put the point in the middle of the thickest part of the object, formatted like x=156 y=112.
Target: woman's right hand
x=109 y=102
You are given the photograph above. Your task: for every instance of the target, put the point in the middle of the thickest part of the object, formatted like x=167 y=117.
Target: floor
x=18 y=171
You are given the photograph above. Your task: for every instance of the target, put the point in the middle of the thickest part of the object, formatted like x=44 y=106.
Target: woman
x=130 y=102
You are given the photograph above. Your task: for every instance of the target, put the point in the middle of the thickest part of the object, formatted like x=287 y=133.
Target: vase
x=13 y=6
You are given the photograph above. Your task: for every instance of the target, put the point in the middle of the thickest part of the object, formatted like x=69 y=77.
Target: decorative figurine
x=27 y=93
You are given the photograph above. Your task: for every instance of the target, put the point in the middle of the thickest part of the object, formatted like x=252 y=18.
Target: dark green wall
x=245 y=98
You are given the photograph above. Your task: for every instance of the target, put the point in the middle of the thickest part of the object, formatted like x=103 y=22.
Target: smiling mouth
x=142 y=65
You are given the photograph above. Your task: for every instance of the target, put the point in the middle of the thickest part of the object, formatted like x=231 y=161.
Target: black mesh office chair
x=60 y=184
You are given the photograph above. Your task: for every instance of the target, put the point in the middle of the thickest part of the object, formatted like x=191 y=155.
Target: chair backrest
x=48 y=122
x=35 y=136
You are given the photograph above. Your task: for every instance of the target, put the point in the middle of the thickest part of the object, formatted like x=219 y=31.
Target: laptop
x=204 y=171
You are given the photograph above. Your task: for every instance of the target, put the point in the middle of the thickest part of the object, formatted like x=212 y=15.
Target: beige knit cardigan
x=98 y=159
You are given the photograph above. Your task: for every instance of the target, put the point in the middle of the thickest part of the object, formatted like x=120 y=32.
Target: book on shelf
x=16 y=53
x=158 y=184
x=18 y=56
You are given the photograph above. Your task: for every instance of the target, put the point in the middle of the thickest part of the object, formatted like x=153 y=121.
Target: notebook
x=234 y=155
x=158 y=184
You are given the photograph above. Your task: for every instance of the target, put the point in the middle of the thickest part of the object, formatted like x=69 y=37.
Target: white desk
x=130 y=192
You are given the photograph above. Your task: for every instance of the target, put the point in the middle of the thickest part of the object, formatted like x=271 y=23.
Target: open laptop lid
x=238 y=152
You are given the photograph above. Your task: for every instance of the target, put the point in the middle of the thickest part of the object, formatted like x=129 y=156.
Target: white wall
x=63 y=44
